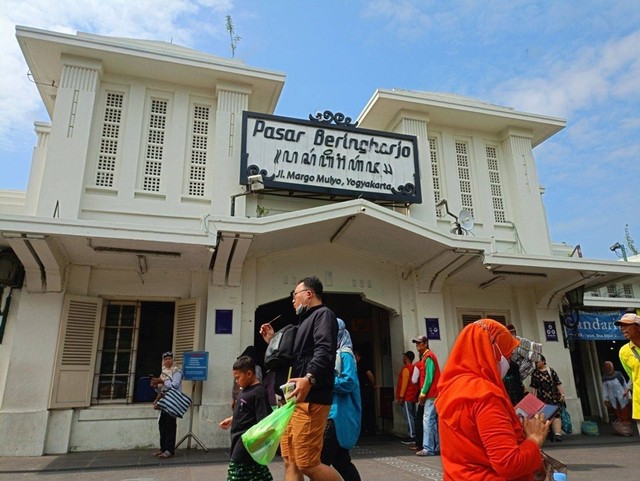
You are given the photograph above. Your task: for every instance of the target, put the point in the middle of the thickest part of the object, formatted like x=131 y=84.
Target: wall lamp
x=140 y=252
x=518 y=273
x=617 y=246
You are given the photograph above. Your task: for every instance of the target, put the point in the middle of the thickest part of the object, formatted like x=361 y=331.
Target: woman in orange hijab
x=481 y=438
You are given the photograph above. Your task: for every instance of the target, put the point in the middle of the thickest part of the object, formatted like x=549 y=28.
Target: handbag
x=550 y=466
x=173 y=402
x=567 y=427
x=262 y=439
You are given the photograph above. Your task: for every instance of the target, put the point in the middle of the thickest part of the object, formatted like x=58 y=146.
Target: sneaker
x=557 y=438
x=408 y=441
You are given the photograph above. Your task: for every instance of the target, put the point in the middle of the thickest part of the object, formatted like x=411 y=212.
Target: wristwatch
x=311 y=378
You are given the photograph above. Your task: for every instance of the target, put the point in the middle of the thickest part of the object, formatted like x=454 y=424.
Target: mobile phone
x=550 y=411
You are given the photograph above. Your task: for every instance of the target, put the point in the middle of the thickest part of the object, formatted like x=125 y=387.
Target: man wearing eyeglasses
x=312 y=372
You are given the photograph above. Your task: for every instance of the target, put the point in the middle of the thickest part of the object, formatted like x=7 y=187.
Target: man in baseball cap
x=630 y=358
x=628 y=318
x=427 y=373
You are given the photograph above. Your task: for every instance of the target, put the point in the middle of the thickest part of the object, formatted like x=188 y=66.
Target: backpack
x=280 y=349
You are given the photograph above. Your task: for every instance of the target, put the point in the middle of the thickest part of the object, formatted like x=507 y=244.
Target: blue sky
x=578 y=60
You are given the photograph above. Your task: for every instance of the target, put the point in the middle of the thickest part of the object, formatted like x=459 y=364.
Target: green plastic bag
x=262 y=439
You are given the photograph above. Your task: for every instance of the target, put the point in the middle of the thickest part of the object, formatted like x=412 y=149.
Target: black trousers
x=168 y=426
x=368 y=417
x=419 y=426
x=335 y=455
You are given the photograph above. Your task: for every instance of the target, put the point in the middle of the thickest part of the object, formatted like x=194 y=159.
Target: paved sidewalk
x=376 y=457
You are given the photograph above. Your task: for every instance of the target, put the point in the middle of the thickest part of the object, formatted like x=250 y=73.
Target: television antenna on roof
x=463 y=222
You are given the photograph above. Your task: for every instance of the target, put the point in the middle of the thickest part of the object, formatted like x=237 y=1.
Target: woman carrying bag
x=546 y=386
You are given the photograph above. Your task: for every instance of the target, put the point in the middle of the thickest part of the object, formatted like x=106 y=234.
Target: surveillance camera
x=363 y=209
x=256 y=182
x=615 y=247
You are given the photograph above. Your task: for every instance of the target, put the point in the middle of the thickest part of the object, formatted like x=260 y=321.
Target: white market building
x=159 y=214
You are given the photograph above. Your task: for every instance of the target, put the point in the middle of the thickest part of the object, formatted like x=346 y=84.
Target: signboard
x=195 y=365
x=433 y=328
x=224 y=321
x=312 y=156
x=595 y=326
x=550 y=331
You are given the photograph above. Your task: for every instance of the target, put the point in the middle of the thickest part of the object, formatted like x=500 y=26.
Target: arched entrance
x=370 y=332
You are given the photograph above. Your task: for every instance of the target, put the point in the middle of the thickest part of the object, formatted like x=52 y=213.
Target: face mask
x=503 y=366
x=301 y=309
x=526 y=356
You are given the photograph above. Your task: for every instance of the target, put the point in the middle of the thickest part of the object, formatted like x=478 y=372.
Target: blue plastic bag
x=567 y=427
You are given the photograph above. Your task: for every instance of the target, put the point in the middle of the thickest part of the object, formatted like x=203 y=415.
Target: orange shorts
x=302 y=440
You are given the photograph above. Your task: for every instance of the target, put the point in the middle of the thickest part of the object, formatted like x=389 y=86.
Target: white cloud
x=596 y=74
x=179 y=21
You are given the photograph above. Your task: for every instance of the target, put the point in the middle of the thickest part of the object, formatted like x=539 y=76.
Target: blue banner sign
x=594 y=326
x=195 y=366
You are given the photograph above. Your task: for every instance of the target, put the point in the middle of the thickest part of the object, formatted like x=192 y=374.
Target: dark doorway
x=605 y=351
x=155 y=337
x=368 y=325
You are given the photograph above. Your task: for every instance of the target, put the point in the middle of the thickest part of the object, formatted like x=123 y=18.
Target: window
x=468 y=317
x=108 y=349
x=434 y=155
x=109 y=139
x=154 y=149
x=495 y=185
x=198 y=150
x=612 y=290
x=133 y=337
x=464 y=175
x=627 y=291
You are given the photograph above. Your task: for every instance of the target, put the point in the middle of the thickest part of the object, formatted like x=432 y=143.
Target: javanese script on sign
x=301 y=155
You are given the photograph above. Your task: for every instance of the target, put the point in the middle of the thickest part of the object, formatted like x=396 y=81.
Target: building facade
x=152 y=222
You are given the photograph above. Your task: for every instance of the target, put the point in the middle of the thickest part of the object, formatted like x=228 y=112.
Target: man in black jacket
x=312 y=372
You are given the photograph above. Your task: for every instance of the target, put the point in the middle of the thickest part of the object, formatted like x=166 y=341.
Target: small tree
x=232 y=35
x=630 y=243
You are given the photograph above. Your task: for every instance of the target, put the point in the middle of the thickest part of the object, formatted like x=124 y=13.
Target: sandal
x=157 y=453
x=165 y=455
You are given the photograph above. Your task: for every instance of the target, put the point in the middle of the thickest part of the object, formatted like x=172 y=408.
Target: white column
x=66 y=156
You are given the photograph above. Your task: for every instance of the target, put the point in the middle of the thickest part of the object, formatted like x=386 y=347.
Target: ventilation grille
x=495 y=184
x=199 y=145
x=435 y=173
x=109 y=139
x=155 y=145
x=464 y=176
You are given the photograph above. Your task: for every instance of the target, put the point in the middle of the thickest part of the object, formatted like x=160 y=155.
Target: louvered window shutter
x=76 y=356
x=186 y=326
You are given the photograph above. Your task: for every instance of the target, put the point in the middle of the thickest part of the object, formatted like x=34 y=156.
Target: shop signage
x=195 y=365
x=595 y=326
x=343 y=160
